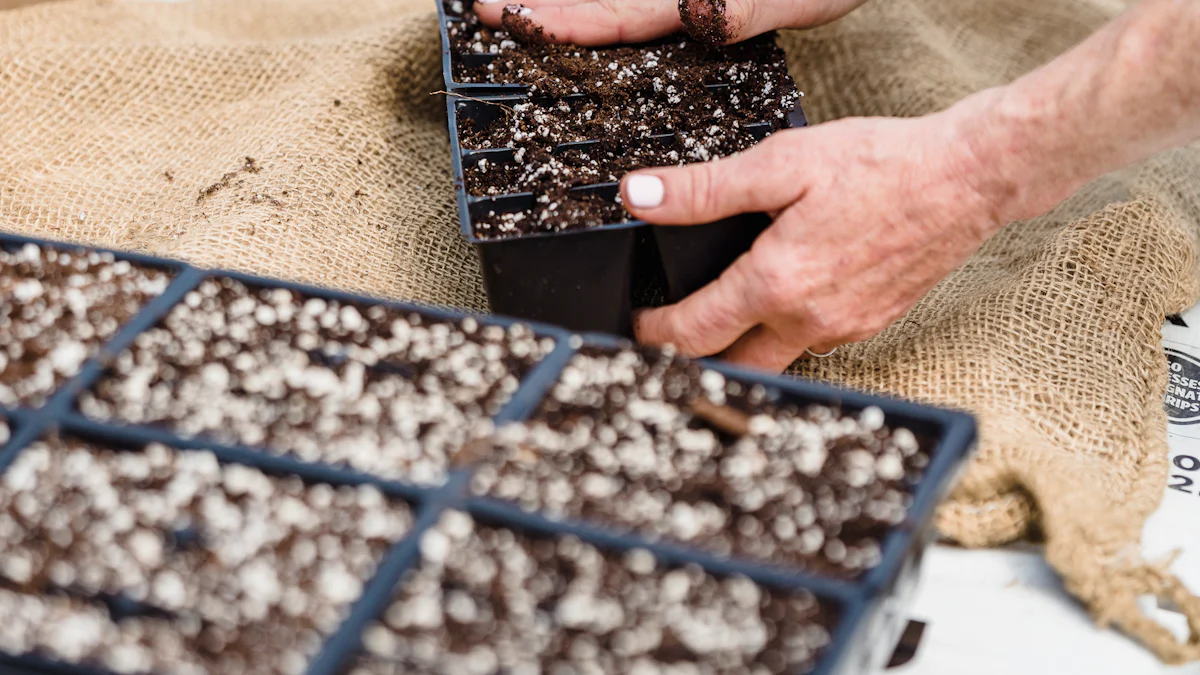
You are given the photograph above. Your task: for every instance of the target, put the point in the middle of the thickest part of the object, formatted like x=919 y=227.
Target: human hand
x=600 y=22
x=869 y=214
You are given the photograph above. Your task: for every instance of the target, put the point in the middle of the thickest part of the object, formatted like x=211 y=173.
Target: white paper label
x=1175 y=526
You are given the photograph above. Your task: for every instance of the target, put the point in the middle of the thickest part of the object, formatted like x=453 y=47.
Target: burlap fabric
x=298 y=138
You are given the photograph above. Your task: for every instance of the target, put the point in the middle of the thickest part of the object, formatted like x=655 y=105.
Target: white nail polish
x=487 y=2
x=519 y=10
x=644 y=192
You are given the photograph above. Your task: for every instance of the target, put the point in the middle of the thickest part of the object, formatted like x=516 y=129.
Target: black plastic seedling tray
x=583 y=279
x=875 y=605
x=450 y=11
x=870 y=608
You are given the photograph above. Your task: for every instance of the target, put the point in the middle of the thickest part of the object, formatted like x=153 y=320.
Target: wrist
x=1010 y=154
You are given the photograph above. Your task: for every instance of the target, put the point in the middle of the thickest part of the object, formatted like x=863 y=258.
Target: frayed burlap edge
x=1089 y=502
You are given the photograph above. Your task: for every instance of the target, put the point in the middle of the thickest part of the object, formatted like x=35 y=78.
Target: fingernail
x=519 y=10
x=644 y=192
x=487 y=2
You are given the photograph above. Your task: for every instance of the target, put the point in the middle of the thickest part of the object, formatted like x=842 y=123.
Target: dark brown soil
x=472 y=36
x=705 y=123
x=536 y=170
x=555 y=211
x=656 y=444
x=708 y=102
x=547 y=122
x=248 y=166
x=705 y=21
x=494 y=600
x=557 y=70
x=524 y=30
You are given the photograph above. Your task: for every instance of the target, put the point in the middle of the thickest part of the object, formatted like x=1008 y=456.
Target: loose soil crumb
x=523 y=29
x=705 y=21
x=248 y=166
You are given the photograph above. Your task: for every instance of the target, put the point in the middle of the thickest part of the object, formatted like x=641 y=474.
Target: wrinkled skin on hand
x=871 y=213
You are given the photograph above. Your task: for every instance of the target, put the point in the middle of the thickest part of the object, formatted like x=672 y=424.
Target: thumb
x=763 y=178
x=707 y=321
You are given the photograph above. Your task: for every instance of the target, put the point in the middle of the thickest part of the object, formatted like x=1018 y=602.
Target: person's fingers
x=748 y=18
x=590 y=23
x=729 y=21
x=491 y=12
x=640 y=20
x=765 y=178
x=707 y=321
x=767 y=348
x=492 y=8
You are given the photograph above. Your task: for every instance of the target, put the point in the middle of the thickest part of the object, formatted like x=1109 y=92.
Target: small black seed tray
x=583 y=280
x=867 y=609
x=450 y=12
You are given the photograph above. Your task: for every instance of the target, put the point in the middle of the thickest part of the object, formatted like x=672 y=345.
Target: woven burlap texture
x=299 y=139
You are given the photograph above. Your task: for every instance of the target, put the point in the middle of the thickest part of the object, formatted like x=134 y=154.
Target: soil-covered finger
x=707 y=21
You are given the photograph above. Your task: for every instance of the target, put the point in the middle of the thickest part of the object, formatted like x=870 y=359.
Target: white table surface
x=1005 y=612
